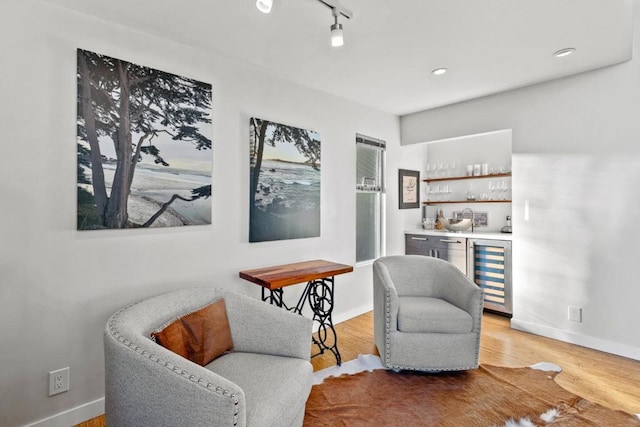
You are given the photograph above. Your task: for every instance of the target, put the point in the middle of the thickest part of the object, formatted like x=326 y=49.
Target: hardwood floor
x=610 y=380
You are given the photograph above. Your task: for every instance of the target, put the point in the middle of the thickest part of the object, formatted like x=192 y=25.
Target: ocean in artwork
x=287 y=187
x=285 y=182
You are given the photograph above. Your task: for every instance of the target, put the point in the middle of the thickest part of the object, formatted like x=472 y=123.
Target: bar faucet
x=473 y=218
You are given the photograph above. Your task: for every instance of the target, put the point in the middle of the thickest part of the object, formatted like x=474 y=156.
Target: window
x=369 y=198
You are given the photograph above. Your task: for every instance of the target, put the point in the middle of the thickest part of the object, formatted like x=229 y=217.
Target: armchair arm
x=258 y=327
x=457 y=289
x=385 y=295
x=385 y=308
x=139 y=373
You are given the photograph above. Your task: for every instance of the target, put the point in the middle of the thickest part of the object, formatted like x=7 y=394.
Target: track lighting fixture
x=264 y=6
x=337 y=37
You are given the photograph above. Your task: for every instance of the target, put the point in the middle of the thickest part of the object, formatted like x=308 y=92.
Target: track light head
x=337 y=36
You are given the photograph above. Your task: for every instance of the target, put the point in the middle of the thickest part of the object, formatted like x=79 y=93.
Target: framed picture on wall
x=284 y=198
x=144 y=150
x=408 y=189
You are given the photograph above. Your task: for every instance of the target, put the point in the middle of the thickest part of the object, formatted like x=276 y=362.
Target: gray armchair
x=427 y=314
x=265 y=381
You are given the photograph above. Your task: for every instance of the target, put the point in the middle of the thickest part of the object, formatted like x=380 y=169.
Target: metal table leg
x=319 y=293
x=320 y=296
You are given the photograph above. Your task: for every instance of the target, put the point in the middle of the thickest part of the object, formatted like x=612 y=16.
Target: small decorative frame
x=408 y=189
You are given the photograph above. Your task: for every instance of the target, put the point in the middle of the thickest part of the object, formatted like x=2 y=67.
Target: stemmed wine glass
x=506 y=190
x=433 y=193
x=445 y=192
x=503 y=190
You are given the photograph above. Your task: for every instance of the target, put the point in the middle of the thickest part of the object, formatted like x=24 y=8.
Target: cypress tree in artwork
x=131 y=105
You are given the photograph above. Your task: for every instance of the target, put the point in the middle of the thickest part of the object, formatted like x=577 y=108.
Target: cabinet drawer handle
x=450 y=241
x=418 y=238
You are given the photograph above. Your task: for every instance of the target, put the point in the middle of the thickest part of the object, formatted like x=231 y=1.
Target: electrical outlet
x=58 y=381
x=575 y=314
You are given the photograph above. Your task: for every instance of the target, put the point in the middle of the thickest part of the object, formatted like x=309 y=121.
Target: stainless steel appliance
x=452 y=249
x=489 y=266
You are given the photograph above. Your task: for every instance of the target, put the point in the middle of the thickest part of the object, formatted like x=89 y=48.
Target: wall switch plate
x=58 y=381
x=575 y=314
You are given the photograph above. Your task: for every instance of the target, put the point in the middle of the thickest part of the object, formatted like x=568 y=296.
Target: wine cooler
x=489 y=266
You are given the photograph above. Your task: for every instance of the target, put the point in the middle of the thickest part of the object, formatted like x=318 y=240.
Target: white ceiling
x=489 y=46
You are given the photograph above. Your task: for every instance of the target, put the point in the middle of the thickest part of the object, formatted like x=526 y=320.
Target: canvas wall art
x=144 y=146
x=284 y=182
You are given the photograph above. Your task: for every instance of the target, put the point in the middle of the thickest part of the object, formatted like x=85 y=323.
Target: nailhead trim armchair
x=427 y=314
x=264 y=381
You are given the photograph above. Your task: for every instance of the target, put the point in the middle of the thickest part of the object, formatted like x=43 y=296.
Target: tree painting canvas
x=144 y=147
x=285 y=182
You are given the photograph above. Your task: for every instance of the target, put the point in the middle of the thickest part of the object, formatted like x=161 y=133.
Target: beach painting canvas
x=144 y=146
x=285 y=182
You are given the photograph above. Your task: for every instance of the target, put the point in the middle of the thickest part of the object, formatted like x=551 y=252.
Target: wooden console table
x=319 y=275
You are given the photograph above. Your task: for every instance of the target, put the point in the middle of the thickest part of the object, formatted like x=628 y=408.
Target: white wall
x=59 y=285
x=576 y=168
x=399 y=220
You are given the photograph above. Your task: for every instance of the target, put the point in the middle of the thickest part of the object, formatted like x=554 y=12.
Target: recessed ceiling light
x=564 y=52
x=264 y=6
x=439 y=71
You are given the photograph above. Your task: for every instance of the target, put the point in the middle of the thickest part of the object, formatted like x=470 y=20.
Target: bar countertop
x=465 y=234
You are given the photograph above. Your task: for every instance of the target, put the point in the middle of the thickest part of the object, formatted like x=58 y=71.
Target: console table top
x=290 y=274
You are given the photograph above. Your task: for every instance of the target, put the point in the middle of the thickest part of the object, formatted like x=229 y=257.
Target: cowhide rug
x=366 y=395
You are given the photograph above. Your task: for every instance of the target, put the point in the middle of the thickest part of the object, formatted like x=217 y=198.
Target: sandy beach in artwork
x=153 y=186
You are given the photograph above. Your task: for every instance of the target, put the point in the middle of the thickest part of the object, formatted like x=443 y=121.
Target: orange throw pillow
x=200 y=336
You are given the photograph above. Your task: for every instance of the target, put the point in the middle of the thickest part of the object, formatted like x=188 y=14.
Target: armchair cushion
x=200 y=336
x=432 y=315
x=268 y=382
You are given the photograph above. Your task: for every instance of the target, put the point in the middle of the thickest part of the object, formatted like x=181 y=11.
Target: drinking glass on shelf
x=492 y=190
x=435 y=192
x=452 y=170
x=507 y=190
x=503 y=190
x=445 y=193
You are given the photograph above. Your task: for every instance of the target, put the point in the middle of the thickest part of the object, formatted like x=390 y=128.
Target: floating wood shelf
x=457 y=178
x=465 y=201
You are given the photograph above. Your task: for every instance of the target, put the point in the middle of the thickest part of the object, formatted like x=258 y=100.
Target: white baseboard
x=72 y=416
x=354 y=312
x=578 y=339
